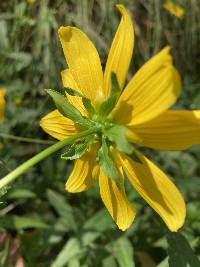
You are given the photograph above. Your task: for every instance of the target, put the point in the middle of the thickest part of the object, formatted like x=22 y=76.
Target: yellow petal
x=83 y=61
x=116 y=202
x=121 y=51
x=153 y=89
x=57 y=125
x=84 y=172
x=157 y=189
x=69 y=81
x=2 y=103
x=172 y=130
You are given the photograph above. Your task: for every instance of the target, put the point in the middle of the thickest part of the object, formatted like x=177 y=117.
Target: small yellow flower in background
x=18 y=101
x=2 y=103
x=174 y=9
x=1 y=146
x=31 y=2
x=142 y=107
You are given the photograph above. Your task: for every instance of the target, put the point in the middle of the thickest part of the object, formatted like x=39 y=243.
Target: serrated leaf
x=71 y=250
x=106 y=163
x=14 y=222
x=78 y=149
x=107 y=106
x=67 y=109
x=123 y=251
x=86 y=101
x=117 y=134
x=180 y=253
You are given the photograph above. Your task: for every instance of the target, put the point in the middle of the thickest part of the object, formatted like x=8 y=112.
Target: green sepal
x=86 y=101
x=79 y=148
x=106 y=163
x=117 y=134
x=67 y=109
x=107 y=106
x=72 y=92
x=135 y=157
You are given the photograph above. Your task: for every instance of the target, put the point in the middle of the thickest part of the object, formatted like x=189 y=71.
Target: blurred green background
x=41 y=225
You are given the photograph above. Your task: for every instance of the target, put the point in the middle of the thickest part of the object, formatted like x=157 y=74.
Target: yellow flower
x=142 y=107
x=2 y=103
x=174 y=9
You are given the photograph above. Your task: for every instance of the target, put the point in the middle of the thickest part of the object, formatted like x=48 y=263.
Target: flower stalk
x=6 y=180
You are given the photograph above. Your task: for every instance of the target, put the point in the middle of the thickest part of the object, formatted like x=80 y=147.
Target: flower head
x=2 y=103
x=137 y=112
x=174 y=9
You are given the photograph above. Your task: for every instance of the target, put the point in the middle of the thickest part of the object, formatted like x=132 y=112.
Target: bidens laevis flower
x=2 y=103
x=141 y=107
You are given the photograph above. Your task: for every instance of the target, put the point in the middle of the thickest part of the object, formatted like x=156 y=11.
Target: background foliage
x=40 y=224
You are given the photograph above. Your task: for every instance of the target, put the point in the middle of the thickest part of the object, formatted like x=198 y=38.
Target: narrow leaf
x=72 y=92
x=123 y=251
x=14 y=222
x=71 y=250
x=67 y=109
x=107 y=106
x=86 y=101
x=62 y=208
x=88 y=105
x=20 y=193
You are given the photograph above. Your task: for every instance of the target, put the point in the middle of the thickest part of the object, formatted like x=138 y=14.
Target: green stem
x=25 y=139
x=40 y=156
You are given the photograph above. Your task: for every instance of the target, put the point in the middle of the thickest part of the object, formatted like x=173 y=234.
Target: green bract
x=67 y=109
x=105 y=161
x=77 y=149
x=107 y=106
x=107 y=133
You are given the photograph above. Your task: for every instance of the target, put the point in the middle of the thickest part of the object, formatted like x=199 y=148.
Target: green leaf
x=107 y=106
x=67 y=109
x=77 y=149
x=106 y=163
x=123 y=251
x=71 y=250
x=14 y=222
x=109 y=262
x=163 y=263
x=63 y=209
x=180 y=252
x=99 y=222
x=117 y=134
x=86 y=101
x=19 y=193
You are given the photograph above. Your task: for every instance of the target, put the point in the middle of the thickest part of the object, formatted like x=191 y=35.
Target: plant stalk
x=40 y=156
